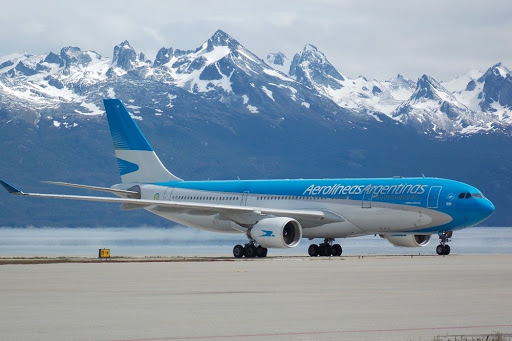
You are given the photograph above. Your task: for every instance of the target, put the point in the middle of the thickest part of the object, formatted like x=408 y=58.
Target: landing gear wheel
x=337 y=250
x=440 y=250
x=325 y=250
x=261 y=251
x=443 y=249
x=250 y=251
x=313 y=250
x=238 y=251
x=447 y=249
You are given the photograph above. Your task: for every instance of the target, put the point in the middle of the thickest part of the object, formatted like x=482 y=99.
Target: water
x=150 y=241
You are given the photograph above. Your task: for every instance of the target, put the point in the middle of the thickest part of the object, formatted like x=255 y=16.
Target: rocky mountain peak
x=433 y=109
x=497 y=88
x=401 y=81
x=428 y=88
x=221 y=38
x=311 y=67
x=72 y=55
x=278 y=58
x=53 y=58
x=125 y=56
x=163 y=56
x=278 y=61
x=498 y=70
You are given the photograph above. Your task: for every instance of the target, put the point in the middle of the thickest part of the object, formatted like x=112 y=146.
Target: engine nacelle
x=407 y=240
x=279 y=232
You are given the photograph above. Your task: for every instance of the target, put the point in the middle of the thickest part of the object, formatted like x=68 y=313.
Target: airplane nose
x=487 y=208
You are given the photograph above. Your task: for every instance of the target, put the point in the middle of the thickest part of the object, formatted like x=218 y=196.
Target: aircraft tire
x=324 y=250
x=261 y=252
x=447 y=249
x=337 y=250
x=313 y=250
x=250 y=251
x=440 y=250
x=238 y=251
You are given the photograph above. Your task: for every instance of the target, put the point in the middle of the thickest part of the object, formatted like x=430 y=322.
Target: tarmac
x=278 y=298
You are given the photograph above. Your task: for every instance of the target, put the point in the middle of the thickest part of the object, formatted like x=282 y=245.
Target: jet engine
x=278 y=232
x=407 y=240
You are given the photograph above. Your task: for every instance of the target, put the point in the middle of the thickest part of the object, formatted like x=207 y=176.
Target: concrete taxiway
x=282 y=298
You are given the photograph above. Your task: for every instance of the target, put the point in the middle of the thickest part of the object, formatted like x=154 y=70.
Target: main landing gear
x=326 y=249
x=443 y=249
x=249 y=250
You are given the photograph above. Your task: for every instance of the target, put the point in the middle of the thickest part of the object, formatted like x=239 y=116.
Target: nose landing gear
x=326 y=249
x=443 y=249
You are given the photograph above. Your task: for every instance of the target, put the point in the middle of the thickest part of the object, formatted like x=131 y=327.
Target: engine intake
x=279 y=232
x=407 y=240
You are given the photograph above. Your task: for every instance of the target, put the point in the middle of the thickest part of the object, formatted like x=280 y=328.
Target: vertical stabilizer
x=136 y=159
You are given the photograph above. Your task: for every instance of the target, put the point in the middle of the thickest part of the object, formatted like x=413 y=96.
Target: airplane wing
x=239 y=214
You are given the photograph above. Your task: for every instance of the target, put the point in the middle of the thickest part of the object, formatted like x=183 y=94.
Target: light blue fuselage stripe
x=328 y=188
x=396 y=191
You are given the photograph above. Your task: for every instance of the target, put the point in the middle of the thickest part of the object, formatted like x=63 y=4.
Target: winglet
x=11 y=189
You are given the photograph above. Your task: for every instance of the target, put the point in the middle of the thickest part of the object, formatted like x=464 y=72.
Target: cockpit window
x=477 y=195
x=462 y=195
x=468 y=195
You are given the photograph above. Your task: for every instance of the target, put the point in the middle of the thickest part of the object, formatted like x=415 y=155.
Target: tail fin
x=136 y=159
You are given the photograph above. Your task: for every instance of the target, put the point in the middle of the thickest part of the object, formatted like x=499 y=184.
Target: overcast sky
x=376 y=39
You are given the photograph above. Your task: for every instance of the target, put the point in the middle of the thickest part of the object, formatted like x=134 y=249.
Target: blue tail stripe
x=125 y=133
x=126 y=167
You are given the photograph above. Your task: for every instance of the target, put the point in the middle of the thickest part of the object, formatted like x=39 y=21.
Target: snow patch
x=111 y=93
x=375 y=117
x=252 y=109
x=171 y=98
x=268 y=93
x=138 y=118
x=305 y=104
x=277 y=74
x=93 y=109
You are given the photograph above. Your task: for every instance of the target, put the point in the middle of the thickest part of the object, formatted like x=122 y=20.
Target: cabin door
x=243 y=202
x=433 y=196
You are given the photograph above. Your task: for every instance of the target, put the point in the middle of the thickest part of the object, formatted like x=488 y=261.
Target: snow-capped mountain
x=489 y=92
x=40 y=84
x=220 y=70
x=227 y=79
x=434 y=110
x=311 y=67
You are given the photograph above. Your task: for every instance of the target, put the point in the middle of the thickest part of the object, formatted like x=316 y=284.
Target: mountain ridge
x=221 y=112
x=221 y=62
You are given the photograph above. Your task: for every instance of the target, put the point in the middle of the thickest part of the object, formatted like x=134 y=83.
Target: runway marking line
x=212 y=337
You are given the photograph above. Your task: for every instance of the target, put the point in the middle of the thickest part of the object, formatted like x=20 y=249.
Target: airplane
x=279 y=213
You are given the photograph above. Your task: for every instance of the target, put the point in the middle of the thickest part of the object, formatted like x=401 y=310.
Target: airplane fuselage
x=362 y=206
